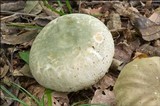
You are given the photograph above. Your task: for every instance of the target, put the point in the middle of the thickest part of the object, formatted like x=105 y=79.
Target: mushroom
x=71 y=53
x=139 y=83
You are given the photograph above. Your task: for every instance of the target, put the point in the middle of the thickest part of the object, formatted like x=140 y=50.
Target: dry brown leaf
x=16 y=73
x=115 y=21
x=5 y=101
x=123 y=52
x=127 y=33
x=156 y=43
x=19 y=39
x=106 y=7
x=155 y=17
x=26 y=99
x=24 y=71
x=104 y=97
x=62 y=98
x=134 y=3
x=13 y=6
x=35 y=90
x=10 y=18
x=6 y=80
x=4 y=70
x=149 y=50
x=58 y=99
x=134 y=43
x=32 y=7
x=133 y=9
x=116 y=65
x=124 y=11
x=94 y=11
x=106 y=82
x=148 y=3
x=8 y=30
x=148 y=29
x=43 y=19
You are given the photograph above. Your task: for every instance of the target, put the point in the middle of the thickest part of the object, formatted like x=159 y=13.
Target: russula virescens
x=71 y=53
x=139 y=83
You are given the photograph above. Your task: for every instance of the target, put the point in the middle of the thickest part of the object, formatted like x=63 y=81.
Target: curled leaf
x=148 y=29
x=21 y=38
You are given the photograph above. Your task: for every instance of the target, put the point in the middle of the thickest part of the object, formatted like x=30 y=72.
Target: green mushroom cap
x=139 y=83
x=71 y=53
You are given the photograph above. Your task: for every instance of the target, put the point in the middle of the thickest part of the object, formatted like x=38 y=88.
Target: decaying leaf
x=62 y=98
x=10 y=18
x=116 y=65
x=24 y=71
x=148 y=3
x=128 y=35
x=43 y=19
x=157 y=43
x=16 y=73
x=122 y=10
x=133 y=9
x=149 y=50
x=155 y=17
x=104 y=97
x=8 y=30
x=148 y=29
x=106 y=82
x=58 y=99
x=123 y=52
x=5 y=101
x=13 y=6
x=4 y=63
x=94 y=11
x=134 y=2
x=6 y=80
x=19 y=39
x=35 y=90
x=115 y=21
x=32 y=7
x=4 y=70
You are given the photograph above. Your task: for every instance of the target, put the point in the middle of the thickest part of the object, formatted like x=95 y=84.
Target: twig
x=97 y=2
x=16 y=13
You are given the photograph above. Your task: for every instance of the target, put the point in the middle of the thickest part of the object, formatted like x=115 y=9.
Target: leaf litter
x=23 y=37
x=134 y=26
x=12 y=6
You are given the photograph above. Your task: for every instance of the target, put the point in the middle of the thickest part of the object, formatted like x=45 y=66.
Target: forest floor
x=135 y=27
